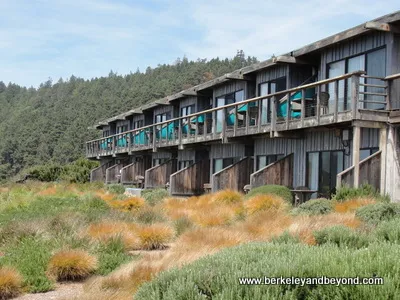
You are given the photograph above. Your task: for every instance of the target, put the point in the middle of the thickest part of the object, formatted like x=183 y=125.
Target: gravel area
x=62 y=291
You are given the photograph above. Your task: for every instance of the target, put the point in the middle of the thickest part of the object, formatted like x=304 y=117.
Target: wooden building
x=317 y=117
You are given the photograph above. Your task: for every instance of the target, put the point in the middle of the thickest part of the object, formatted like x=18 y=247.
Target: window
x=187 y=110
x=266 y=88
x=161 y=118
x=106 y=133
x=237 y=96
x=322 y=168
x=137 y=124
x=222 y=163
x=185 y=163
x=374 y=63
x=159 y=161
x=122 y=128
x=265 y=160
x=365 y=152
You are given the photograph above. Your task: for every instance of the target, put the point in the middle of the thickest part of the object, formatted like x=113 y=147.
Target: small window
x=364 y=153
x=265 y=160
x=185 y=163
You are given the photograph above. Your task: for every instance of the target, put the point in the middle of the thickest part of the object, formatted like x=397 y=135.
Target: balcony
x=336 y=100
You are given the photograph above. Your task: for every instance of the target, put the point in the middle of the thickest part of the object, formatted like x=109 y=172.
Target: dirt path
x=62 y=291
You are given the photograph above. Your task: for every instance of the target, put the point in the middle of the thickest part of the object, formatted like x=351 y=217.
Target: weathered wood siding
x=161 y=110
x=161 y=154
x=234 y=177
x=186 y=154
x=158 y=176
x=137 y=168
x=271 y=74
x=393 y=67
x=190 y=180
x=318 y=140
x=112 y=173
x=355 y=46
x=187 y=101
x=279 y=172
x=392 y=187
x=99 y=173
x=229 y=87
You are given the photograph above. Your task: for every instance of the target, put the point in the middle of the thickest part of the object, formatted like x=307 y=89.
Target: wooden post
x=247 y=118
x=318 y=88
x=288 y=110
x=223 y=125
x=273 y=116
x=388 y=86
x=180 y=132
x=130 y=139
x=303 y=106
x=205 y=126
x=259 y=115
x=355 y=81
x=356 y=154
x=336 y=100
x=154 y=139
x=383 y=147
x=235 y=125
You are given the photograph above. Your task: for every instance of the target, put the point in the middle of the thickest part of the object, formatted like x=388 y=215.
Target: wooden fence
x=99 y=173
x=279 y=172
x=112 y=174
x=159 y=176
x=233 y=177
x=190 y=180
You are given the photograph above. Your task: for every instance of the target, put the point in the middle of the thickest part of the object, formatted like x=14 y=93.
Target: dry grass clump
x=48 y=192
x=106 y=231
x=128 y=204
x=71 y=265
x=352 y=204
x=262 y=202
x=10 y=283
x=227 y=196
x=215 y=216
x=154 y=236
x=105 y=196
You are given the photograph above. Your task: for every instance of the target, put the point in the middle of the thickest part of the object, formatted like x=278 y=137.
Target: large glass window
x=266 y=88
x=374 y=63
x=222 y=115
x=265 y=160
x=322 y=168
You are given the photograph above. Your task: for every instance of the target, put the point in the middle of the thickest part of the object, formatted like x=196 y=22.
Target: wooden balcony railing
x=279 y=172
x=319 y=103
x=190 y=180
x=158 y=176
x=234 y=177
x=370 y=172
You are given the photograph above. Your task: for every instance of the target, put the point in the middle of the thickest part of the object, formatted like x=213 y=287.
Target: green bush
x=314 y=207
x=285 y=238
x=341 y=236
x=111 y=256
x=347 y=193
x=389 y=231
x=49 y=172
x=278 y=190
x=218 y=276
x=182 y=224
x=116 y=188
x=375 y=213
x=78 y=171
x=154 y=196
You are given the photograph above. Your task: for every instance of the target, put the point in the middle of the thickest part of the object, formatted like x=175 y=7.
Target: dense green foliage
x=75 y=172
x=342 y=236
x=314 y=207
x=217 y=276
x=49 y=124
x=375 y=213
x=364 y=191
x=154 y=196
x=278 y=190
x=389 y=231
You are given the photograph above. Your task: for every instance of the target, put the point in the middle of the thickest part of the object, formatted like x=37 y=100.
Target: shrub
x=319 y=206
x=71 y=265
x=261 y=202
x=364 y=191
x=227 y=196
x=10 y=282
x=285 y=238
x=375 y=213
x=111 y=255
x=78 y=171
x=389 y=231
x=49 y=172
x=116 y=188
x=182 y=224
x=341 y=236
x=128 y=204
x=154 y=236
x=279 y=190
x=218 y=276
x=154 y=196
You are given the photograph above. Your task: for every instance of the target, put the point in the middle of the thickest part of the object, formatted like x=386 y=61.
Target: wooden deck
x=245 y=118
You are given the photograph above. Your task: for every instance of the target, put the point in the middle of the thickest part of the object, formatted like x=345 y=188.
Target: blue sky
x=88 y=38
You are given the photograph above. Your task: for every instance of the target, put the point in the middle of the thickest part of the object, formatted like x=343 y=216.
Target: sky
x=42 y=39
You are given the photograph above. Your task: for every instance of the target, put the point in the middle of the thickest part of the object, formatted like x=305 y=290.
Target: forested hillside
x=49 y=124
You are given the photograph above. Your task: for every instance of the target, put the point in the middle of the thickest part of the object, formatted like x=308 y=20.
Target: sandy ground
x=62 y=291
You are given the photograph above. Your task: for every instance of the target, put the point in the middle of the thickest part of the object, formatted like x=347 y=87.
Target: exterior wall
x=161 y=154
x=106 y=128
x=230 y=87
x=162 y=109
x=393 y=67
x=186 y=154
x=192 y=100
x=312 y=141
x=271 y=74
x=123 y=123
x=358 y=45
x=392 y=182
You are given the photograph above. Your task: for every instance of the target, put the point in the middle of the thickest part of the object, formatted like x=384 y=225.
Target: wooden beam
x=289 y=60
x=382 y=27
x=356 y=155
x=189 y=93
x=369 y=124
x=383 y=147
